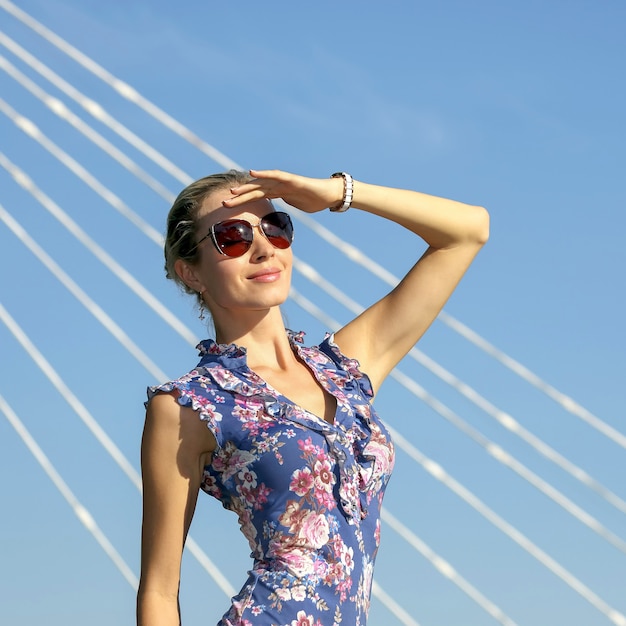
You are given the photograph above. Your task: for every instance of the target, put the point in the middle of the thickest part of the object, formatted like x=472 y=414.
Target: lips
x=268 y=274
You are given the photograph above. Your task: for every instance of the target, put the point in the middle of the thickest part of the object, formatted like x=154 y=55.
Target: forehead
x=212 y=210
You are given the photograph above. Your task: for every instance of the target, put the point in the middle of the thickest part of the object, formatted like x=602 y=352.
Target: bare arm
x=381 y=336
x=174 y=449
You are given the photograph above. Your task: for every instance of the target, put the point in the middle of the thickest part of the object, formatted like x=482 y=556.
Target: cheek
x=221 y=276
x=217 y=276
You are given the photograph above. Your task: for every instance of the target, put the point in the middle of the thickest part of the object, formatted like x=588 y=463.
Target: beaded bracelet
x=348 y=190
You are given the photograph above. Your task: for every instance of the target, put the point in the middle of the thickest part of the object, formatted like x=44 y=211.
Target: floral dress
x=307 y=492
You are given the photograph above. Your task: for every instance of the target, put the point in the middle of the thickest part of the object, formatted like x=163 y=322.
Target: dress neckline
x=234 y=357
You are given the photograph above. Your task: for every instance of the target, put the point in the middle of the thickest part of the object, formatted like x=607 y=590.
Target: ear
x=188 y=274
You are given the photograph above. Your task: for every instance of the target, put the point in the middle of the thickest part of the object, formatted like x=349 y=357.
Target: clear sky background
x=518 y=107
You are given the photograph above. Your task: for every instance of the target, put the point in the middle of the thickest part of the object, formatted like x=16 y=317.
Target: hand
x=307 y=194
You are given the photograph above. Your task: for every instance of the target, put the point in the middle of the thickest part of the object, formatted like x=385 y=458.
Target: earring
x=202 y=309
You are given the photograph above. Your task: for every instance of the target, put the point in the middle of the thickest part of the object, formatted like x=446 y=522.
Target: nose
x=261 y=248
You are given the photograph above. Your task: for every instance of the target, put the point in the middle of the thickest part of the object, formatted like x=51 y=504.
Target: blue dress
x=307 y=493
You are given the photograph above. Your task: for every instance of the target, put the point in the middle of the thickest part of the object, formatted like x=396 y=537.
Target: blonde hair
x=181 y=234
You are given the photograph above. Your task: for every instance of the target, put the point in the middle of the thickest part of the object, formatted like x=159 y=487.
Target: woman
x=285 y=436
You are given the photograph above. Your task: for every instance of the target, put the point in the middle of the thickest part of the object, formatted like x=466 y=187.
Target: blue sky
x=517 y=107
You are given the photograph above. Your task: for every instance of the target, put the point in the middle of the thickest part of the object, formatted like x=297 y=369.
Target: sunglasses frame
x=258 y=225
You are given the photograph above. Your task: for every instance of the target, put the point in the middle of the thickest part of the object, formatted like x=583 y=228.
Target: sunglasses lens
x=234 y=237
x=278 y=229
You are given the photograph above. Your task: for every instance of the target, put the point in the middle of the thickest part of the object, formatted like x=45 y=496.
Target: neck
x=262 y=333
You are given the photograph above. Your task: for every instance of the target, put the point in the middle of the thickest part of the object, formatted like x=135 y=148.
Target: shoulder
x=169 y=421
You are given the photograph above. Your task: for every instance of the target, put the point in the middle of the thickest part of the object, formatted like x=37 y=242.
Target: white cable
x=29 y=185
x=506 y=459
x=82 y=513
x=512 y=425
x=437 y=471
x=84 y=516
x=504 y=419
x=308 y=271
x=350 y=251
x=568 y=403
x=353 y=253
x=22 y=179
x=61 y=110
x=445 y=569
x=498 y=453
x=102 y=438
x=495 y=451
x=124 y=89
x=95 y=110
x=81 y=296
x=392 y=605
x=31 y=129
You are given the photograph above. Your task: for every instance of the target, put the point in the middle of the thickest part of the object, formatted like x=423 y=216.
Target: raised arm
x=174 y=449
x=382 y=335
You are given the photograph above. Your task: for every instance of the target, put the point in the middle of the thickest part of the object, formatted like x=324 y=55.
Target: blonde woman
x=284 y=435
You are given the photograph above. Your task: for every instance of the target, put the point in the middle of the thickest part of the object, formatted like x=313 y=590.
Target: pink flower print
x=325 y=499
x=207 y=407
x=245 y=414
x=298 y=593
x=247 y=478
x=343 y=588
x=261 y=495
x=307 y=446
x=377 y=533
x=349 y=492
x=314 y=530
x=209 y=484
x=320 y=568
x=301 y=481
x=302 y=619
x=298 y=562
x=335 y=573
x=238 y=460
x=262 y=446
x=383 y=457
x=347 y=560
x=324 y=477
x=224 y=378
x=293 y=516
x=283 y=593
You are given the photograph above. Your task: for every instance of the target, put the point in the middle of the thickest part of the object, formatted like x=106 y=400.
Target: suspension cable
x=132 y=95
x=83 y=515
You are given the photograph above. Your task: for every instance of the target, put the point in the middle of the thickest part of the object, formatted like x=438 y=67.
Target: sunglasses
x=233 y=238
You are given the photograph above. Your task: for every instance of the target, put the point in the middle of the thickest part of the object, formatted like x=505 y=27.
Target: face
x=257 y=280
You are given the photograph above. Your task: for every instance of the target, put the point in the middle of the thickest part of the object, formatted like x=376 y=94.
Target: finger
x=265 y=174
x=246 y=188
x=242 y=197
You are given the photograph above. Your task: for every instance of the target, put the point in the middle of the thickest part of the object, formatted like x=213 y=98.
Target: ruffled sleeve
x=198 y=393
x=351 y=366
